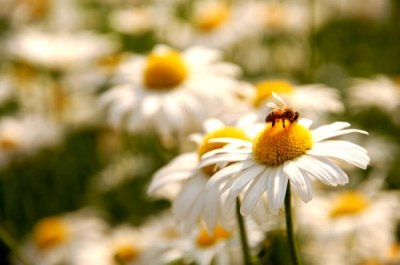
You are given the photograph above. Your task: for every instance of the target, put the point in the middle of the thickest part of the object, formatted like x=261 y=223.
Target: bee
x=281 y=112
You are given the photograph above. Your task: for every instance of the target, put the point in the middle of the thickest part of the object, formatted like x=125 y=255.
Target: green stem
x=289 y=227
x=12 y=245
x=243 y=235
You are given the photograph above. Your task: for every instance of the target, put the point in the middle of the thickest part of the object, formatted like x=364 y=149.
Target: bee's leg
x=283 y=123
x=273 y=122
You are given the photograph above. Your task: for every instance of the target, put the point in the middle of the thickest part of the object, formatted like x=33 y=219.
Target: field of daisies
x=209 y=132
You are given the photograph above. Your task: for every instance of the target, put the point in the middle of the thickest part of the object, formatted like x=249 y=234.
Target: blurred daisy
x=350 y=219
x=193 y=201
x=54 y=236
x=171 y=92
x=18 y=13
x=122 y=245
x=299 y=96
x=283 y=152
x=218 y=245
x=123 y=168
x=134 y=20
x=48 y=49
x=217 y=24
x=25 y=136
x=380 y=92
x=372 y=10
x=391 y=257
x=292 y=16
x=221 y=245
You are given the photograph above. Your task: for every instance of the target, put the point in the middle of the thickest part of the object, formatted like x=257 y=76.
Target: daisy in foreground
x=285 y=153
x=285 y=150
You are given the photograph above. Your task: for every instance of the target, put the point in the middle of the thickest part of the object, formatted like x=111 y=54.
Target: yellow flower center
x=212 y=16
x=8 y=144
x=394 y=253
x=50 y=232
x=126 y=253
x=207 y=146
x=275 y=144
x=164 y=70
x=349 y=203
x=38 y=8
x=205 y=239
x=264 y=90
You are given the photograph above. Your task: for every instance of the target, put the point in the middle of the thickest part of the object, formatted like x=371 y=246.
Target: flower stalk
x=243 y=235
x=289 y=228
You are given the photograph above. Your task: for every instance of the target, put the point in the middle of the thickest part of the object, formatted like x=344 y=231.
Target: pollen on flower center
x=50 y=232
x=205 y=239
x=207 y=146
x=164 y=70
x=126 y=253
x=277 y=144
x=349 y=203
x=211 y=16
x=264 y=90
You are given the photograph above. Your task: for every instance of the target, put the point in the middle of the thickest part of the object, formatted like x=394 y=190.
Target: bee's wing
x=279 y=99
x=272 y=105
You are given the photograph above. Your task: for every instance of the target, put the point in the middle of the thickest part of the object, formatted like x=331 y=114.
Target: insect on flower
x=282 y=112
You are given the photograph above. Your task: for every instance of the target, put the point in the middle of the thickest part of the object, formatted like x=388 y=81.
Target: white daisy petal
x=254 y=192
x=322 y=136
x=228 y=149
x=231 y=141
x=223 y=158
x=305 y=122
x=273 y=202
x=187 y=197
x=192 y=215
x=222 y=174
x=213 y=124
x=162 y=180
x=342 y=150
x=211 y=207
x=242 y=180
x=323 y=170
x=280 y=186
x=298 y=180
x=326 y=131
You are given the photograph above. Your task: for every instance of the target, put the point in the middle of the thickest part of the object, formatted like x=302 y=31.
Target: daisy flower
x=121 y=245
x=380 y=92
x=221 y=245
x=26 y=135
x=193 y=201
x=48 y=49
x=133 y=20
x=350 y=218
x=288 y=16
x=217 y=24
x=170 y=92
x=287 y=152
x=53 y=237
